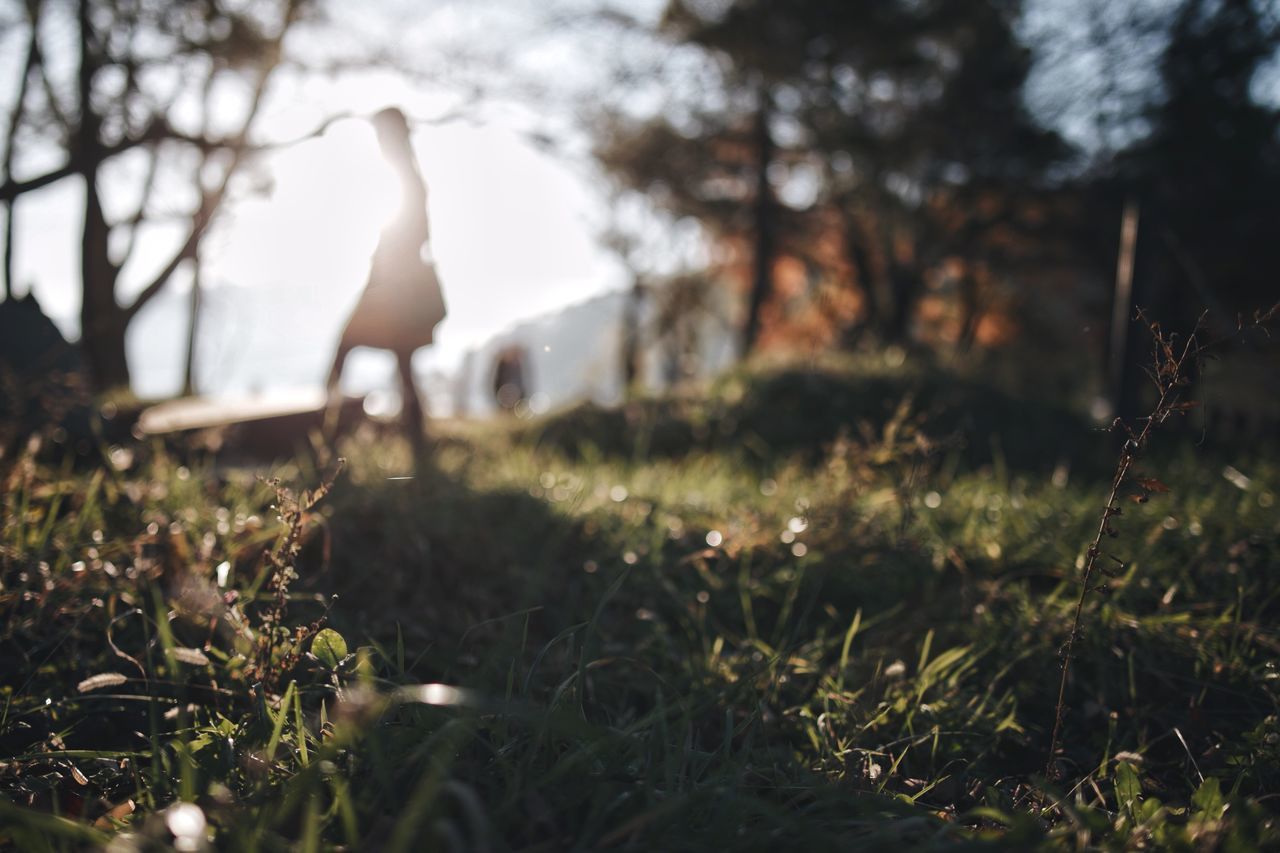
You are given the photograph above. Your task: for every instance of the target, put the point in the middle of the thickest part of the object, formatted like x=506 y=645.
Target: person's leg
x=412 y=415
x=333 y=383
x=333 y=392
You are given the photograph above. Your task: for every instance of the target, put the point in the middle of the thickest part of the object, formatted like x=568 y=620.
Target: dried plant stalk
x=1171 y=373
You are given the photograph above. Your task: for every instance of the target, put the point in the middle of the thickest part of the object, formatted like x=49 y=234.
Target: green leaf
x=329 y=648
x=1208 y=800
x=1149 y=808
x=1128 y=789
x=277 y=732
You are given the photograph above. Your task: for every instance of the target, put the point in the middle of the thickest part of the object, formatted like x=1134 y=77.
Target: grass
x=749 y=621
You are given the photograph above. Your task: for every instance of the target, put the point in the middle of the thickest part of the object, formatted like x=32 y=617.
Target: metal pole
x=189 y=370
x=1122 y=305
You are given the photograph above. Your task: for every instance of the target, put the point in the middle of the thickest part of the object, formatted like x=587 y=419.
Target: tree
x=906 y=117
x=1206 y=177
x=931 y=157
x=1211 y=163
x=714 y=162
x=141 y=98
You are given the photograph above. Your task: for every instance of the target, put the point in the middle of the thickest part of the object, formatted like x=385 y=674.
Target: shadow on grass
x=654 y=696
x=438 y=565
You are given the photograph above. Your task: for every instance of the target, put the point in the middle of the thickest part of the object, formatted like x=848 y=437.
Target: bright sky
x=512 y=229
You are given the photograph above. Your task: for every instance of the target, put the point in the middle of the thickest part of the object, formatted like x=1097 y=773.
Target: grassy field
x=814 y=607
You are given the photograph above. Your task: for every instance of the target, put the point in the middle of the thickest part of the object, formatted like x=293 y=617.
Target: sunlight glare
x=318 y=227
x=435 y=694
x=345 y=173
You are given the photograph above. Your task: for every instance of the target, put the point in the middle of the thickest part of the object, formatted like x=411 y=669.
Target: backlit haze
x=516 y=209
x=514 y=232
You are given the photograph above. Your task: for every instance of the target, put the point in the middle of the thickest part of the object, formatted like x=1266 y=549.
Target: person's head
x=391 y=126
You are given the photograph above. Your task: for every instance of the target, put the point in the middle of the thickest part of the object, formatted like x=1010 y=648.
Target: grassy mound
x=796 y=412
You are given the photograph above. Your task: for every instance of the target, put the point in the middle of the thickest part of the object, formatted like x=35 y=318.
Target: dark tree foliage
x=1208 y=173
x=1204 y=180
x=910 y=115
x=941 y=158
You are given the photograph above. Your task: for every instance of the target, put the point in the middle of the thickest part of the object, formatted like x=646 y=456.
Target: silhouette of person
x=401 y=304
x=510 y=387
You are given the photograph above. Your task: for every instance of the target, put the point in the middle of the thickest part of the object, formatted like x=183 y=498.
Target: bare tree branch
x=211 y=199
x=135 y=221
x=15 y=119
x=53 y=106
x=158 y=130
x=209 y=204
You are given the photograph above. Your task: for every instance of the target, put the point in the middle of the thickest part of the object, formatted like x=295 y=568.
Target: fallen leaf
x=116 y=814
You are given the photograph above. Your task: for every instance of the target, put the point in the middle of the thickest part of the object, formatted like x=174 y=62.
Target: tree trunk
x=762 y=281
x=1121 y=350
x=15 y=119
x=102 y=342
x=970 y=309
x=631 y=334
x=102 y=321
x=193 y=328
x=859 y=259
x=903 y=281
x=905 y=284
x=1131 y=343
